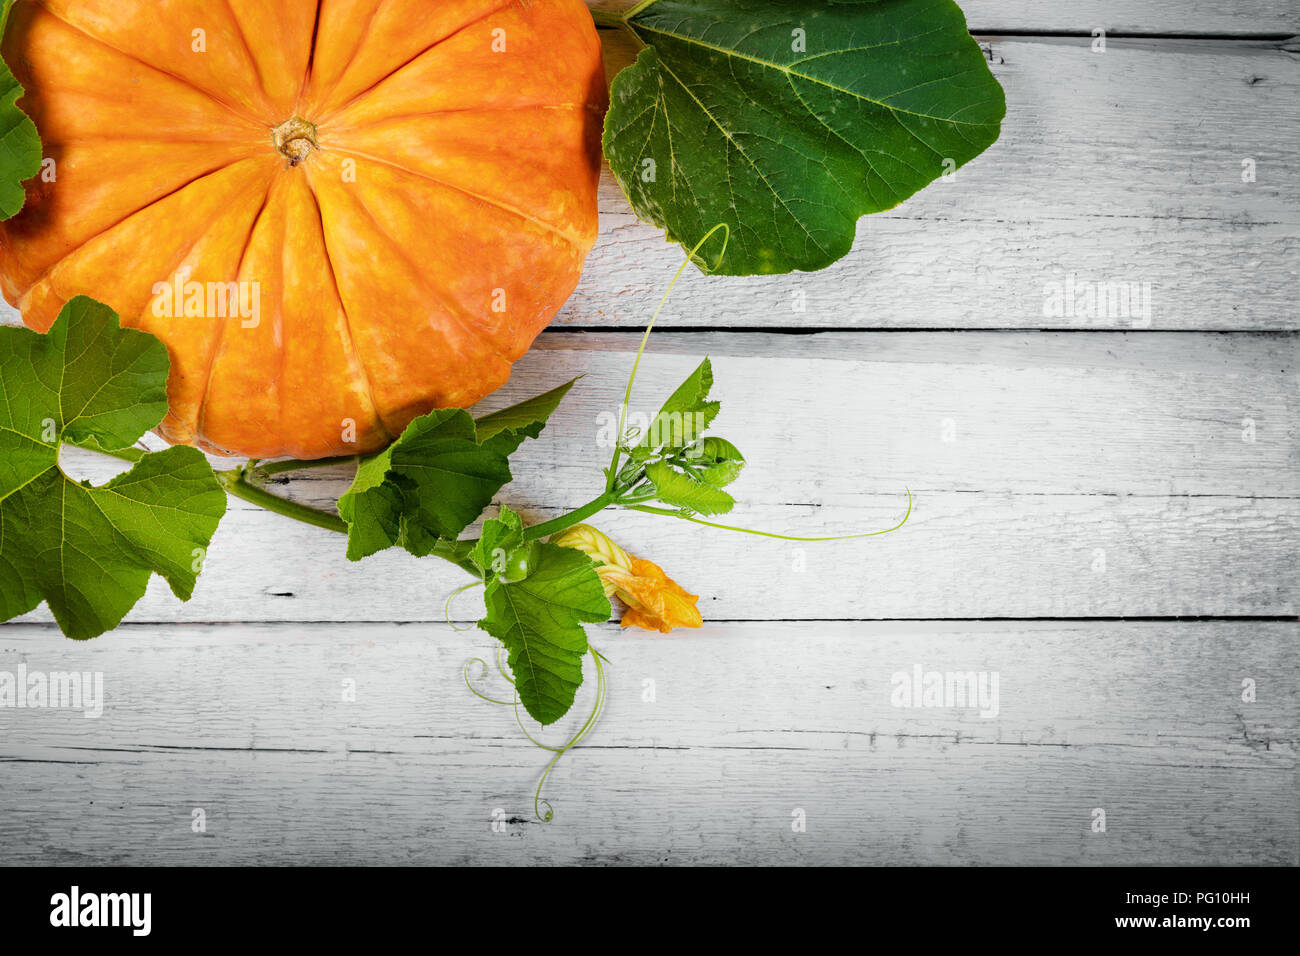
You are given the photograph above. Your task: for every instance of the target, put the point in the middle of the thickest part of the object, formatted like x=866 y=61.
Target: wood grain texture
x=1106 y=171
x=1178 y=17
x=748 y=724
x=1064 y=444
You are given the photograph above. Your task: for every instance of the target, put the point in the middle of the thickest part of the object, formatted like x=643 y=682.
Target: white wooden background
x=1075 y=440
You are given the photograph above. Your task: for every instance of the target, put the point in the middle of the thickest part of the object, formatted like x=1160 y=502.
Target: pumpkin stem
x=295 y=139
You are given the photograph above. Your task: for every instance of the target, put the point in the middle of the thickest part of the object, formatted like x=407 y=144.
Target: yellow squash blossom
x=654 y=601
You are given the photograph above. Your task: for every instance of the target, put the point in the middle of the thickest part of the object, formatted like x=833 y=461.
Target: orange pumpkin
x=337 y=214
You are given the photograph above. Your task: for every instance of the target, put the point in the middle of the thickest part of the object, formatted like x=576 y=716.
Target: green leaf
x=20 y=144
x=431 y=483
x=693 y=394
x=437 y=478
x=539 y=620
x=372 y=507
x=499 y=534
x=680 y=490
x=715 y=461
x=787 y=120
x=721 y=474
x=715 y=451
x=449 y=477
x=685 y=416
x=528 y=418
x=88 y=552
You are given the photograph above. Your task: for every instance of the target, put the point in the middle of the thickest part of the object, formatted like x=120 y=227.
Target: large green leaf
x=20 y=144
x=431 y=483
x=539 y=619
x=449 y=478
x=88 y=551
x=437 y=478
x=787 y=120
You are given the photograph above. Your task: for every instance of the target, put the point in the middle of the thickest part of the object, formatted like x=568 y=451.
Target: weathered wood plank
x=1088 y=474
x=1175 y=17
x=1100 y=176
x=960 y=556
x=747 y=725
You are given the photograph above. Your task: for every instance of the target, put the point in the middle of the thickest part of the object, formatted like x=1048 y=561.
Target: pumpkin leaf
x=787 y=120
x=715 y=461
x=674 y=462
x=437 y=478
x=526 y=419
x=448 y=478
x=722 y=474
x=432 y=483
x=502 y=533
x=20 y=144
x=676 y=488
x=686 y=414
x=372 y=508
x=539 y=620
x=88 y=552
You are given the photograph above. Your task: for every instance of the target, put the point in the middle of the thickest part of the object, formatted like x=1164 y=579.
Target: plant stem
x=236 y=485
x=281 y=467
x=612 y=18
x=647 y=509
x=638 y=9
x=605 y=18
x=578 y=516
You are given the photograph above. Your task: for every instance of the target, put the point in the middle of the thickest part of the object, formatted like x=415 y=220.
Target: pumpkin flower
x=654 y=601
